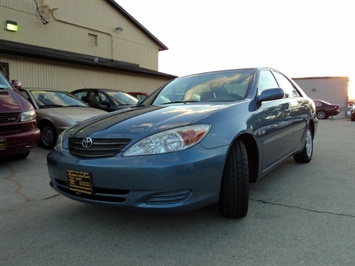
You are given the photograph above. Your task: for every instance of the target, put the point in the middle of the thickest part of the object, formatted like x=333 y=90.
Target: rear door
x=297 y=113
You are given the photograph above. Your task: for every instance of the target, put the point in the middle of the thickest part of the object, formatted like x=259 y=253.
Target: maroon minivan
x=18 y=127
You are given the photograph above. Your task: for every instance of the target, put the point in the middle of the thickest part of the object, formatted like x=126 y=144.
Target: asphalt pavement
x=299 y=214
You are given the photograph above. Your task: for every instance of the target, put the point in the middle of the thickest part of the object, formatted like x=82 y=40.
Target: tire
x=322 y=115
x=48 y=136
x=305 y=156
x=234 y=195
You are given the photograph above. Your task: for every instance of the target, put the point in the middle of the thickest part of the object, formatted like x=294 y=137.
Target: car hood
x=77 y=114
x=143 y=121
x=11 y=101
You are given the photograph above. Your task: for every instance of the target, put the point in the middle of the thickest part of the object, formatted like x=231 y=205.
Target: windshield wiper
x=51 y=105
x=190 y=101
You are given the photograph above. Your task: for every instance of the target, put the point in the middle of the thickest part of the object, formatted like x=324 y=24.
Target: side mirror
x=271 y=94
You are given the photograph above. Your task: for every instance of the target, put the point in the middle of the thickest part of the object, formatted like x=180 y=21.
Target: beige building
x=67 y=45
x=330 y=89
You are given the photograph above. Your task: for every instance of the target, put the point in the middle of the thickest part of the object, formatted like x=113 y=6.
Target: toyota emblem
x=87 y=143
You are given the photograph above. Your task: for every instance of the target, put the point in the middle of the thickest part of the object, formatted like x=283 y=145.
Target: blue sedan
x=196 y=141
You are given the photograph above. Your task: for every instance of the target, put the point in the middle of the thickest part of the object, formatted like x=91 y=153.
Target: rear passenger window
x=286 y=85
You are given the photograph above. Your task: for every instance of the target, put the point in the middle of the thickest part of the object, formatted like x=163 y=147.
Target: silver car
x=57 y=111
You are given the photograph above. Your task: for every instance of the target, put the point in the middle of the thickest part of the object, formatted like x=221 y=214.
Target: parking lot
x=299 y=214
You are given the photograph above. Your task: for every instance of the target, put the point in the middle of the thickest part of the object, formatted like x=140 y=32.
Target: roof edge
x=135 y=22
x=9 y=47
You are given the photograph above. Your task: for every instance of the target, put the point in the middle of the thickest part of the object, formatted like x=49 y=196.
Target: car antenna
x=121 y=87
x=83 y=83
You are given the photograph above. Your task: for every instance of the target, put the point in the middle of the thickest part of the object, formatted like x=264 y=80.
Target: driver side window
x=102 y=97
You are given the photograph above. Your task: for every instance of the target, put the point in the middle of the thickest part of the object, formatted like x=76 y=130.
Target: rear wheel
x=322 y=115
x=234 y=196
x=305 y=156
x=48 y=136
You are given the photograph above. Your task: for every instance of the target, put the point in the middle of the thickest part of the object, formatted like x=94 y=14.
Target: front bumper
x=18 y=143
x=171 y=182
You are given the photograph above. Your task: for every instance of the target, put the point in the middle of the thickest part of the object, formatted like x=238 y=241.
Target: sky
x=301 y=38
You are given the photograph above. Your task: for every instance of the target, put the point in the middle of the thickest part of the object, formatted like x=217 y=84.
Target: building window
x=92 y=40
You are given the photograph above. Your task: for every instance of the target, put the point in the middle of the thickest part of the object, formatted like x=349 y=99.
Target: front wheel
x=48 y=136
x=305 y=156
x=234 y=195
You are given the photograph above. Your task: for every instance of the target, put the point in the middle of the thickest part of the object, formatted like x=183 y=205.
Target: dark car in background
x=352 y=112
x=196 y=141
x=325 y=109
x=18 y=127
x=57 y=111
x=106 y=99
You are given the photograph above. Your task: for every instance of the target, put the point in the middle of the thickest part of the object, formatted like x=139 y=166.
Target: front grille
x=99 y=194
x=99 y=148
x=9 y=117
x=10 y=128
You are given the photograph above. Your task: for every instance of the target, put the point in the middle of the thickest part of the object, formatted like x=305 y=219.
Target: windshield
x=4 y=84
x=123 y=98
x=231 y=85
x=46 y=99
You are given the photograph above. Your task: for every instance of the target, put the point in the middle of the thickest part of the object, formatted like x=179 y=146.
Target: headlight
x=62 y=140
x=28 y=116
x=59 y=145
x=172 y=140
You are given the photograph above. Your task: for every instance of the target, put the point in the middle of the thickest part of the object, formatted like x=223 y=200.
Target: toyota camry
x=198 y=140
